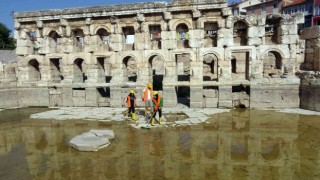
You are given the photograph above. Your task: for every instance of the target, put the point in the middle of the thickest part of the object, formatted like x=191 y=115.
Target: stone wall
x=194 y=52
x=310 y=70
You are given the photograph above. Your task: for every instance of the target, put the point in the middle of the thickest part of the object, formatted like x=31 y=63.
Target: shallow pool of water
x=240 y=144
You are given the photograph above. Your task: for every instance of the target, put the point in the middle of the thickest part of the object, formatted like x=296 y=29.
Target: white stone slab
x=89 y=142
x=183 y=122
x=103 y=133
x=193 y=120
x=210 y=111
x=298 y=111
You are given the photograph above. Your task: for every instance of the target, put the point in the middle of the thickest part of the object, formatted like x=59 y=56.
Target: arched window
x=54 y=40
x=78 y=71
x=239 y=33
x=156 y=69
x=182 y=36
x=272 y=65
x=103 y=36
x=130 y=68
x=34 y=70
x=210 y=67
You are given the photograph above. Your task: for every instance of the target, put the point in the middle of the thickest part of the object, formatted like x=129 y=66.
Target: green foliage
x=6 y=42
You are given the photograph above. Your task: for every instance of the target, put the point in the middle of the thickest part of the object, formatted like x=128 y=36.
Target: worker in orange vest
x=131 y=104
x=147 y=98
x=157 y=105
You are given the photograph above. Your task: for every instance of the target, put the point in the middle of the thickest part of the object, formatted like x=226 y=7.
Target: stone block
x=79 y=93
x=24 y=50
x=169 y=44
x=310 y=33
x=289 y=39
x=256 y=31
x=226 y=11
x=54 y=91
x=298 y=18
x=9 y=98
x=222 y=42
x=23 y=42
x=91 y=96
x=225 y=104
x=196 y=43
x=290 y=29
x=169 y=103
x=225 y=93
x=167 y=15
x=210 y=93
x=104 y=104
x=79 y=101
x=254 y=41
x=225 y=33
x=196 y=94
x=196 y=105
x=55 y=100
x=33 y=97
x=67 y=99
x=210 y=102
x=170 y=35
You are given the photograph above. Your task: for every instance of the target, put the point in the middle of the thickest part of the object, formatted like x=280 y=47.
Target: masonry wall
x=310 y=70
x=198 y=57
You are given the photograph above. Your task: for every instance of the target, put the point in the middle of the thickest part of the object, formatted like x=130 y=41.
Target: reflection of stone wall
x=259 y=144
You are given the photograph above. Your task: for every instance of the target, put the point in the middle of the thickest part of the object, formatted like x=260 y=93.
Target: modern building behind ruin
x=187 y=48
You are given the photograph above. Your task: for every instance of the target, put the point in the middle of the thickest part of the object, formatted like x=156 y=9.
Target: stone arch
x=210 y=67
x=130 y=70
x=243 y=19
x=101 y=27
x=34 y=70
x=156 y=71
x=182 y=35
x=272 y=64
x=47 y=32
x=187 y=23
x=103 y=35
x=79 y=75
x=240 y=33
x=54 y=39
x=279 y=51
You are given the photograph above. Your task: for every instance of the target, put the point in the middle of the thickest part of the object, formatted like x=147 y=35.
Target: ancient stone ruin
x=194 y=52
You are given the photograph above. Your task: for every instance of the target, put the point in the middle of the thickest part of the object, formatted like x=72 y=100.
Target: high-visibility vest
x=129 y=101
x=157 y=102
x=147 y=94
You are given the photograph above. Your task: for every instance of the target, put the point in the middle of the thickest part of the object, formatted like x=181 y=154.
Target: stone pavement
x=178 y=116
x=191 y=116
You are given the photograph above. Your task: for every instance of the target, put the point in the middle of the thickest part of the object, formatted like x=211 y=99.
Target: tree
x=6 y=42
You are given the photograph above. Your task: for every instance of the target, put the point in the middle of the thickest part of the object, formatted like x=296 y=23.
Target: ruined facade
x=194 y=52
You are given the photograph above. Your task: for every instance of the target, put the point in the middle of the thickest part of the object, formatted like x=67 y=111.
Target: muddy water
x=246 y=144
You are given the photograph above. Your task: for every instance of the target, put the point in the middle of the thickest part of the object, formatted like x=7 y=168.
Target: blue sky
x=8 y=6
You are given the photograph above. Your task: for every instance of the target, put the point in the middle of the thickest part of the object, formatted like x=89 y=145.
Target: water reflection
x=242 y=144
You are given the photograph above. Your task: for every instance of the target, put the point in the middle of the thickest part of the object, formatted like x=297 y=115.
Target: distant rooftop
x=8 y=56
x=293 y=2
